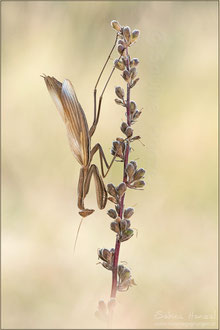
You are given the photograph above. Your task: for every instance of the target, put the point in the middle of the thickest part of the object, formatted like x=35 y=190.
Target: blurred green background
x=173 y=259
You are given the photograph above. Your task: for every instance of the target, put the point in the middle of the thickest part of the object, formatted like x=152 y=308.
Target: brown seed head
x=134 y=82
x=115 y=227
x=130 y=171
x=121 y=42
x=133 y=73
x=119 y=65
x=119 y=92
x=127 y=234
x=111 y=190
x=129 y=132
x=137 y=114
x=139 y=174
x=123 y=127
x=138 y=184
x=102 y=306
x=135 y=35
x=127 y=33
x=112 y=213
x=128 y=223
x=126 y=75
x=133 y=107
x=116 y=26
x=133 y=162
x=121 y=49
x=121 y=189
x=111 y=304
x=119 y=102
x=123 y=225
x=134 y=62
x=128 y=212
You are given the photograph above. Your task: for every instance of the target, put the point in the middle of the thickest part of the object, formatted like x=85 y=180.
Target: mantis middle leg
x=98 y=147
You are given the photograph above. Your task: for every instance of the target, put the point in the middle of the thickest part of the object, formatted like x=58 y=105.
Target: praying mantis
x=79 y=136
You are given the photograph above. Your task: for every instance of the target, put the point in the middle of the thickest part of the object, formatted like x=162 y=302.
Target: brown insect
x=79 y=136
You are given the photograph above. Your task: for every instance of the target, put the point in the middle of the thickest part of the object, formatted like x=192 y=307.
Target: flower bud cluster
x=121 y=226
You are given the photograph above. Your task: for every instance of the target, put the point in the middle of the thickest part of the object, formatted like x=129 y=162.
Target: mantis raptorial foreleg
x=101 y=193
x=83 y=189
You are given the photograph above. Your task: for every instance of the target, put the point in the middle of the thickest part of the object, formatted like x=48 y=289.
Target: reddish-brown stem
x=121 y=203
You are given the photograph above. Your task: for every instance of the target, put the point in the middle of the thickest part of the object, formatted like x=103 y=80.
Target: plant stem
x=121 y=204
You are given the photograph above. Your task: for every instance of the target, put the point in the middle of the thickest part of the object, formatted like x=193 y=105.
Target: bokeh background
x=173 y=259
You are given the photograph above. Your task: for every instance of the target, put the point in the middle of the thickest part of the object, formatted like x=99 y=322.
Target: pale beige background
x=173 y=259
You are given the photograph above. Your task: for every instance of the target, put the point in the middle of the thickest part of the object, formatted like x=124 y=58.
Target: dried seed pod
x=106 y=255
x=130 y=171
x=133 y=107
x=111 y=190
x=127 y=234
x=118 y=219
x=113 y=151
x=129 y=132
x=107 y=265
x=120 y=269
x=111 y=304
x=133 y=162
x=127 y=33
x=100 y=254
x=124 y=60
x=115 y=227
x=133 y=73
x=128 y=223
x=112 y=213
x=121 y=49
x=121 y=42
x=113 y=200
x=137 y=114
x=123 y=225
x=123 y=127
x=119 y=64
x=119 y=92
x=125 y=274
x=116 y=26
x=121 y=189
x=119 y=147
x=115 y=144
x=126 y=75
x=138 y=184
x=134 y=82
x=102 y=306
x=134 y=62
x=128 y=212
x=119 y=102
x=139 y=174
x=135 y=35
